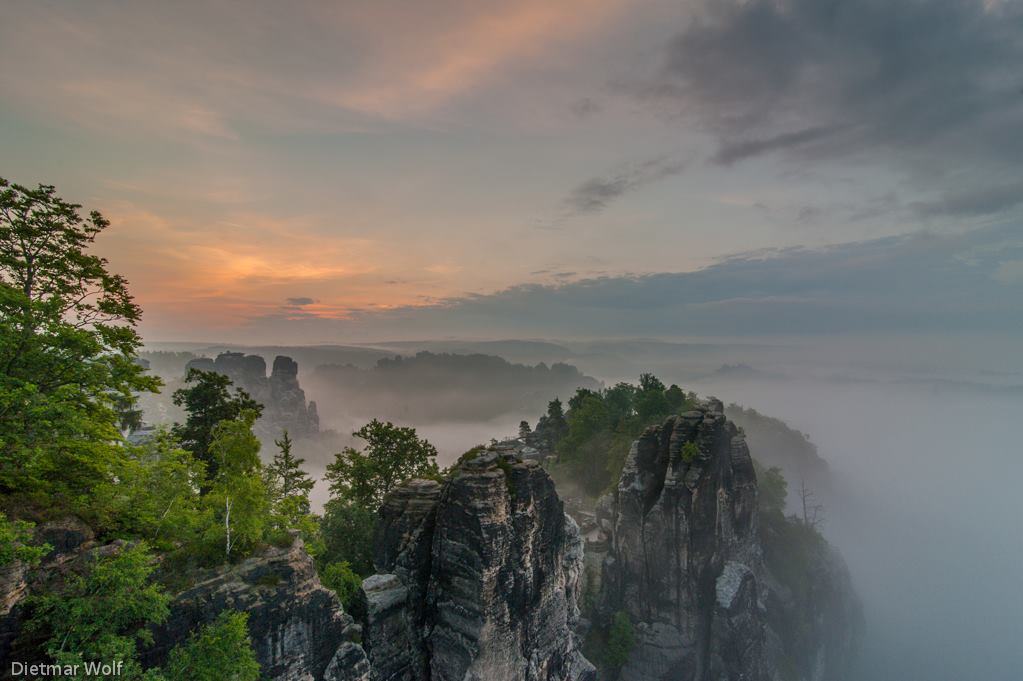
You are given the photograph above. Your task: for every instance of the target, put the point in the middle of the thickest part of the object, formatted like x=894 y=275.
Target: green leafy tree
x=619 y=400
x=220 y=651
x=342 y=580
x=208 y=400
x=676 y=398
x=156 y=495
x=773 y=490
x=583 y=450
x=103 y=615
x=346 y=533
x=621 y=639
x=67 y=349
x=651 y=403
x=237 y=502
x=392 y=454
x=16 y=543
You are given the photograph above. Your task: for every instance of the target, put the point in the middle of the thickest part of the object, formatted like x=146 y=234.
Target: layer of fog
x=927 y=515
x=923 y=438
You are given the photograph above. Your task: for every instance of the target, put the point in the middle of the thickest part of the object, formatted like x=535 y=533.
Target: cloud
x=307 y=65
x=300 y=301
x=916 y=283
x=930 y=89
x=975 y=202
x=738 y=151
x=594 y=195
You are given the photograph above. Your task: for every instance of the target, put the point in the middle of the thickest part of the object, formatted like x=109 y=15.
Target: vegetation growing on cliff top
x=593 y=438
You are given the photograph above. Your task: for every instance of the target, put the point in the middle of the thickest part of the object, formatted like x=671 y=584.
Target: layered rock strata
x=479 y=579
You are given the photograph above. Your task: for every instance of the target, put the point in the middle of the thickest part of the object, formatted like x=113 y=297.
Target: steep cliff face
x=686 y=563
x=478 y=579
x=684 y=556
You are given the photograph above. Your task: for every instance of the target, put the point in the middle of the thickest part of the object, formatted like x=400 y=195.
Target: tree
x=552 y=425
x=813 y=512
x=103 y=615
x=288 y=487
x=342 y=580
x=772 y=490
x=392 y=455
x=346 y=532
x=67 y=348
x=285 y=479
x=619 y=400
x=237 y=501
x=156 y=494
x=16 y=543
x=621 y=639
x=208 y=401
x=583 y=450
x=220 y=651
x=651 y=402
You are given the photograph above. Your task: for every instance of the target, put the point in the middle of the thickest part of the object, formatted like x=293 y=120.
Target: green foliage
x=772 y=489
x=601 y=425
x=156 y=495
x=208 y=401
x=67 y=350
x=16 y=543
x=392 y=455
x=103 y=615
x=689 y=452
x=789 y=544
x=621 y=638
x=342 y=580
x=288 y=487
x=220 y=651
x=346 y=532
x=552 y=426
x=236 y=506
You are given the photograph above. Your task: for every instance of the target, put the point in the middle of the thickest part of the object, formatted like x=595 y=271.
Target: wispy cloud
x=594 y=195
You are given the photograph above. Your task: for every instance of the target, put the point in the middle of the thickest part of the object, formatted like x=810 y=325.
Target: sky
x=338 y=171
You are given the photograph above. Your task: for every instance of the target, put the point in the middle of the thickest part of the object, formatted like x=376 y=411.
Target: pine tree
x=288 y=487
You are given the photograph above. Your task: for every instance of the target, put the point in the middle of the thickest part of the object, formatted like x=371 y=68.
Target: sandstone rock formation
x=298 y=628
x=686 y=563
x=283 y=400
x=479 y=579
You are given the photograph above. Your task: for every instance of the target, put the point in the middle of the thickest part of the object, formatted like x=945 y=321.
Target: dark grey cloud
x=906 y=73
x=971 y=282
x=300 y=301
x=932 y=89
x=731 y=152
x=975 y=202
x=594 y=195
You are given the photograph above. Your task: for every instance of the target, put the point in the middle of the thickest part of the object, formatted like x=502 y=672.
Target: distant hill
x=442 y=387
x=520 y=351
